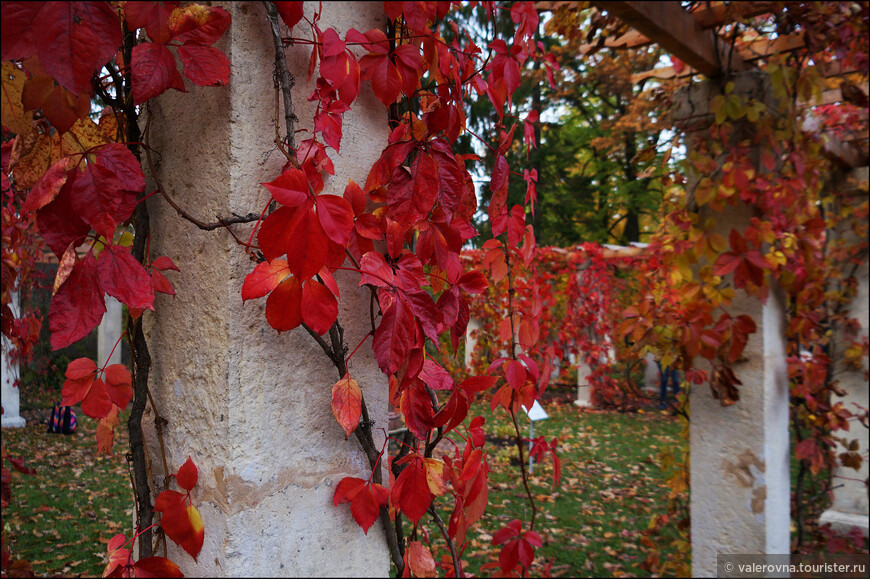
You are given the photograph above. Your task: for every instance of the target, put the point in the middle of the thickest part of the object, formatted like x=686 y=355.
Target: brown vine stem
x=139 y=355
x=221 y=222
x=159 y=423
x=519 y=440
x=284 y=77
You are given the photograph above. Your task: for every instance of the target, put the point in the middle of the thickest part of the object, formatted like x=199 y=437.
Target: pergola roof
x=696 y=36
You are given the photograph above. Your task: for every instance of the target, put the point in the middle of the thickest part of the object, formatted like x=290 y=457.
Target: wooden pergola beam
x=678 y=32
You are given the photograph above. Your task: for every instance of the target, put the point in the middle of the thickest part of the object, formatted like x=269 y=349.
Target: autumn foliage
x=81 y=183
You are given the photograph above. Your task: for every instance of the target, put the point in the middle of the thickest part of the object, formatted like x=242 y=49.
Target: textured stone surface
x=584 y=389
x=10 y=394
x=850 y=507
x=251 y=407
x=739 y=454
x=108 y=332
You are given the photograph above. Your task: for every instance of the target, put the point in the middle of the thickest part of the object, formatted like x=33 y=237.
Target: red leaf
x=97 y=403
x=417 y=409
x=296 y=232
x=321 y=307
x=291 y=12
x=726 y=263
x=436 y=377
x=308 y=249
x=49 y=185
x=74 y=39
x=198 y=24
x=411 y=493
x=159 y=283
x=104 y=194
x=59 y=224
x=409 y=62
x=18 y=24
x=420 y=560
x=168 y=500
x=153 y=16
x=60 y=106
x=328 y=122
x=204 y=65
x=156 y=567
x=346 y=405
x=118 y=557
x=80 y=375
x=336 y=217
x=290 y=188
x=124 y=278
x=78 y=306
x=187 y=475
x=355 y=196
x=153 y=71
x=473 y=282
x=476 y=384
x=119 y=385
x=164 y=263
x=366 y=499
x=347 y=489
x=396 y=334
x=183 y=524
x=377 y=67
x=275 y=232
x=515 y=373
x=265 y=277
x=284 y=305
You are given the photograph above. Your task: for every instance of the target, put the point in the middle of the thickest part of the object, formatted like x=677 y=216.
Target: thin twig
x=457 y=570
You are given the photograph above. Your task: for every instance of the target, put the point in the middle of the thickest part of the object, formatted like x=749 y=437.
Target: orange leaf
x=347 y=403
x=106 y=431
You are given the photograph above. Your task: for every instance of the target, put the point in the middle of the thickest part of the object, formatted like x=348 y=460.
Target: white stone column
x=471 y=341
x=10 y=394
x=108 y=333
x=850 y=508
x=651 y=374
x=584 y=388
x=740 y=454
x=250 y=406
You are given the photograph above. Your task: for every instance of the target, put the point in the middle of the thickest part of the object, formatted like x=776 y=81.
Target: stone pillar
x=850 y=508
x=108 y=333
x=474 y=325
x=651 y=375
x=740 y=453
x=584 y=388
x=250 y=406
x=10 y=393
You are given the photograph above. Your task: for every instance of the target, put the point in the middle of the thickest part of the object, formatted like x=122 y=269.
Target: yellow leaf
x=14 y=117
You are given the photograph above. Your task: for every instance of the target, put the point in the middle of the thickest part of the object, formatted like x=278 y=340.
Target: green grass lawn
x=61 y=518
x=611 y=487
